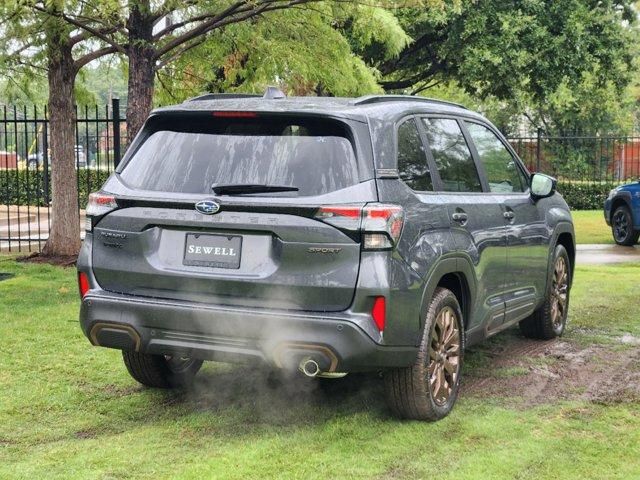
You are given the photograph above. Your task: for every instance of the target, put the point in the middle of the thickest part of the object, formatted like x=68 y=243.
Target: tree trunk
x=141 y=66
x=64 y=237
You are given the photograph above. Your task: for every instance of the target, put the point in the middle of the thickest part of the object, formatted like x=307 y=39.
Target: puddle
x=6 y=276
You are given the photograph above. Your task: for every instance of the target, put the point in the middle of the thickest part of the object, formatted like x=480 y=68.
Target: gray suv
x=326 y=235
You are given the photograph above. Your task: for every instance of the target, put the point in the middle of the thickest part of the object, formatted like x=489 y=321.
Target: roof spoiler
x=271 y=93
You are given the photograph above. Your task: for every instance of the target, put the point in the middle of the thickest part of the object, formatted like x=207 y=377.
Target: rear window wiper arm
x=240 y=188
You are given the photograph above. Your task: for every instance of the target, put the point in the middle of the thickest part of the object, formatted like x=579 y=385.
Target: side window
x=412 y=161
x=452 y=155
x=503 y=174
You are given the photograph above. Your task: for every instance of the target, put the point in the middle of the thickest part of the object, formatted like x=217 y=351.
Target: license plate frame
x=203 y=253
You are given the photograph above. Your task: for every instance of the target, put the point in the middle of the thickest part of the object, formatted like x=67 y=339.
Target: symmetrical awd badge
x=207 y=207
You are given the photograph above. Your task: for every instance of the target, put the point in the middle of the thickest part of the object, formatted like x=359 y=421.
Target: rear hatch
x=244 y=245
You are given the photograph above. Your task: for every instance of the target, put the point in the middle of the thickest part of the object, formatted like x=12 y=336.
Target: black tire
x=408 y=390
x=545 y=323
x=622 y=227
x=160 y=371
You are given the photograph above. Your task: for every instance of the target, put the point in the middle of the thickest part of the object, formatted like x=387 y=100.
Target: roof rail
x=369 y=99
x=222 y=96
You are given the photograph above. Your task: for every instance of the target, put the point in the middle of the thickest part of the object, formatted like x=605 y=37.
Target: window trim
x=471 y=147
x=510 y=150
x=435 y=180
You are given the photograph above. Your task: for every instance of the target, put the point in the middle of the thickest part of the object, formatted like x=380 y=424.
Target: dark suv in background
x=329 y=235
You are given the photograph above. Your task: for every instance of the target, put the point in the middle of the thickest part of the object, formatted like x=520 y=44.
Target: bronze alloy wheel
x=444 y=356
x=559 y=293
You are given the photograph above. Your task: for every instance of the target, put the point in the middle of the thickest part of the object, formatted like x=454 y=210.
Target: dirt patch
x=530 y=372
x=86 y=434
x=56 y=260
x=118 y=391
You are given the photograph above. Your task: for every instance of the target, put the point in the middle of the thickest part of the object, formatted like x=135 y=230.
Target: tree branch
x=426 y=86
x=180 y=51
x=405 y=82
x=228 y=17
x=91 y=56
x=83 y=26
x=194 y=32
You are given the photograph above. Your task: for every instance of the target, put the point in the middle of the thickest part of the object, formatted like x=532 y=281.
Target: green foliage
x=585 y=196
x=301 y=50
x=98 y=83
x=567 y=65
x=26 y=186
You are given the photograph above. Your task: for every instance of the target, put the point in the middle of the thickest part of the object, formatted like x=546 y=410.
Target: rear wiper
x=240 y=188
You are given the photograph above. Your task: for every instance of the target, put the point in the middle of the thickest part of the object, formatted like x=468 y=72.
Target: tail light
x=379 y=312
x=83 y=284
x=99 y=204
x=380 y=224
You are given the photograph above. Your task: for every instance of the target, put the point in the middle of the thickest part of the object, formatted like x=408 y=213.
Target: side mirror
x=542 y=186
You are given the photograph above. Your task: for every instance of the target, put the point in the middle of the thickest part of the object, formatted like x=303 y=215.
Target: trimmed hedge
x=22 y=187
x=19 y=187
x=585 y=196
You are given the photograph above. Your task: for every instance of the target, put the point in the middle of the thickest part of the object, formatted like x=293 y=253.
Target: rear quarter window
x=316 y=156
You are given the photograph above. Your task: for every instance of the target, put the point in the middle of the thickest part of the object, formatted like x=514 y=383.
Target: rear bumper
x=232 y=334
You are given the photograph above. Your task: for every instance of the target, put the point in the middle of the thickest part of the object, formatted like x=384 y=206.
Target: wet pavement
x=601 y=254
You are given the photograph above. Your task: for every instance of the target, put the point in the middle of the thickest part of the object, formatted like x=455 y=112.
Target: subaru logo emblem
x=207 y=207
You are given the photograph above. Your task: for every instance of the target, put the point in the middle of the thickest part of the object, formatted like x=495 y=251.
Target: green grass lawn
x=69 y=410
x=591 y=227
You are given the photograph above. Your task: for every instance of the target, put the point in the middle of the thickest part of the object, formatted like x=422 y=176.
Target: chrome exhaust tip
x=309 y=367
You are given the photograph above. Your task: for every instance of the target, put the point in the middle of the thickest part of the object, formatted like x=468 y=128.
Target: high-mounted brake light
x=381 y=224
x=83 y=284
x=379 y=312
x=229 y=114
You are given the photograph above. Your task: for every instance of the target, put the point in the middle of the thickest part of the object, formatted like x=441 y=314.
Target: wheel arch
x=564 y=235
x=455 y=274
x=566 y=240
x=621 y=199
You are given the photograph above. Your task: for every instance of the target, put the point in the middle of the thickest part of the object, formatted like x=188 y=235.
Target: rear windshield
x=191 y=156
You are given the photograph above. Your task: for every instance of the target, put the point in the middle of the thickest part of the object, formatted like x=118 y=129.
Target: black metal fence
x=582 y=159
x=25 y=167
x=25 y=164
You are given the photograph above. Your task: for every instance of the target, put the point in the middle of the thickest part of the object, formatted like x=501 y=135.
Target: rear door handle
x=509 y=215
x=460 y=217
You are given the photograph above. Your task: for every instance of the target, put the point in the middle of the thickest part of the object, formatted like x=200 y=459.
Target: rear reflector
x=83 y=283
x=227 y=114
x=379 y=312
